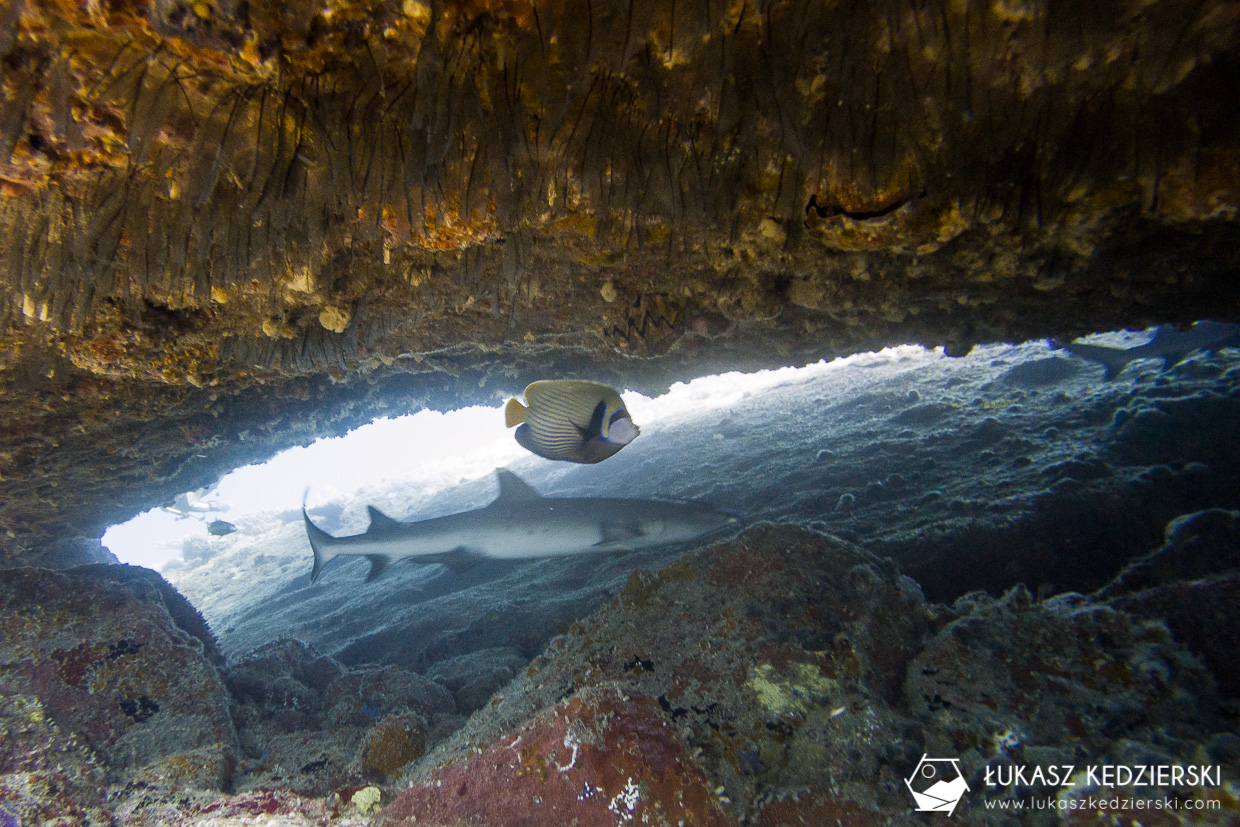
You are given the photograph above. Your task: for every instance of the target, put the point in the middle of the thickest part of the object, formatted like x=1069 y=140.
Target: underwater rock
x=209 y=768
x=75 y=551
x=284 y=673
x=772 y=657
x=1193 y=584
x=280 y=704
x=187 y=618
x=310 y=762
x=1010 y=675
x=366 y=693
x=392 y=743
x=1082 y=468
x=1040 y=372
x=601 y=757
x=806 y=679
x=1036 y=537
x=474 y=677
x=1179 y=430
x=243 y=810
x=110 y=666
x=921 y=416
x=1196 y=546
x=820 y=809
x=308 y=723
x=1202 y=615
x=46 y=771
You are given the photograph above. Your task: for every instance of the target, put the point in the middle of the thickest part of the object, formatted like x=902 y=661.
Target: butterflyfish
x=571 y=420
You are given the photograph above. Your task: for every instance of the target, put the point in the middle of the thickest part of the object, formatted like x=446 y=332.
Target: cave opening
x=424 y=446
x=393 y=460
x=1013 y=464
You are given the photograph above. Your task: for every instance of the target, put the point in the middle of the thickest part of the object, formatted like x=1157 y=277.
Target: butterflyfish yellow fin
x=514 y=413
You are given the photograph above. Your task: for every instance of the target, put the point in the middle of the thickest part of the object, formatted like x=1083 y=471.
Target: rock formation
x=229 y=227
x=233 y=226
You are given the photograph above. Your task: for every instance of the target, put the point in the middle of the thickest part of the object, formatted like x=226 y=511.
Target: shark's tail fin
x=320 y=541
x=1112 y=359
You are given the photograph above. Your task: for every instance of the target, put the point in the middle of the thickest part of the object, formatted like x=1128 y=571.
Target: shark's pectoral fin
x=460 y=559
x=378 y=565
x=618 y=533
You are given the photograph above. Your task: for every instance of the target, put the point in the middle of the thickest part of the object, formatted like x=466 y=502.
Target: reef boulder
x=310 y=724
x=1192 y=583
x=601 y=757
x=787 y=677
x=122 y=690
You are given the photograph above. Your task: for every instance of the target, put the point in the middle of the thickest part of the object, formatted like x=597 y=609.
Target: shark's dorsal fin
x=512 y=489
x=379 y=520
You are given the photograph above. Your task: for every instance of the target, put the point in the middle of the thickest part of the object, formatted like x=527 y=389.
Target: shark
x=519 y=524
x=1168 y=344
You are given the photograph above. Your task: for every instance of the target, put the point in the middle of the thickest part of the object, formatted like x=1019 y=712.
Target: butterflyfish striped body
x=571 y=420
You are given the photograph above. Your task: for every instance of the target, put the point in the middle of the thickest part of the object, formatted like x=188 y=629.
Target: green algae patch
x=794 y=690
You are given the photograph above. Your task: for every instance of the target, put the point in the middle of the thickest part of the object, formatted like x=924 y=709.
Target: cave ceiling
x=229 y=227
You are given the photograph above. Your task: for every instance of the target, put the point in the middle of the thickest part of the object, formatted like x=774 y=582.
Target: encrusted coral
x=308 y=723
x=46 y=770
x=392 y=743
x=806 y=679
x=600 y=758
x=107 y=662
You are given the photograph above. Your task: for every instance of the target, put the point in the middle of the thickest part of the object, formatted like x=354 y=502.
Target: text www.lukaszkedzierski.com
x=1103 y=803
